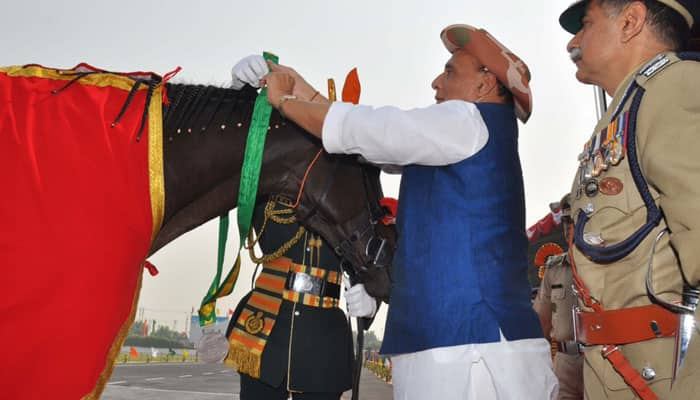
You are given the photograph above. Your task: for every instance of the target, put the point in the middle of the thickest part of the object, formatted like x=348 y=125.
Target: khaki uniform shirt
x=668 y=148
x=557 y=297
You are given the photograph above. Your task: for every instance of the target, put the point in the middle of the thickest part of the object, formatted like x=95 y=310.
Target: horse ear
x=351 y=87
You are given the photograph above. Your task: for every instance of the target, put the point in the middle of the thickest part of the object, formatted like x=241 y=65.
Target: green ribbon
x=247 y=193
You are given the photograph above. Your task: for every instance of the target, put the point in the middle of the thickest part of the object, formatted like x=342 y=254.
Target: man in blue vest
x=460 y=322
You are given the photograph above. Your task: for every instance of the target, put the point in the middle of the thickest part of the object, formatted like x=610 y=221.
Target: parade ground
x=200 y=381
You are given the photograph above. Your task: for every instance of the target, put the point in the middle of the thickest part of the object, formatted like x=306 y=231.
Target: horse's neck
x=205 y=130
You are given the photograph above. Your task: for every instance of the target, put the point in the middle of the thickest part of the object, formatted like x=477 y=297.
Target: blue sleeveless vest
x=460 y=270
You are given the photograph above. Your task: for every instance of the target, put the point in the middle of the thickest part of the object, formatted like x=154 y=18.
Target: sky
x=395 y=46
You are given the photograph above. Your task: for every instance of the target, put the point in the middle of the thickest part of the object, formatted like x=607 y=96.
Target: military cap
x=508 y=68
x=571 y=18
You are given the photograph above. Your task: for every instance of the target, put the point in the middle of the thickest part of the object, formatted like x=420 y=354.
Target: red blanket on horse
x=81 y=204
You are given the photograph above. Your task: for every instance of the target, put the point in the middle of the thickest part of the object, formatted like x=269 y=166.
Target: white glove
x=249 y=70
x=360 y=303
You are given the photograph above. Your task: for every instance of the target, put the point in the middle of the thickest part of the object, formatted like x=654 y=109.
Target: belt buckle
x=570 y=347
x=606 y=351
x=575 y=311
x=302 y=282
x=305 y=283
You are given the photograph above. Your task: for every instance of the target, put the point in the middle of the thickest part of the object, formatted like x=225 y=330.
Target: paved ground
x=199 y=381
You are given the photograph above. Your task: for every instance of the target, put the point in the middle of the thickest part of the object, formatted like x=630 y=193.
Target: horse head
x=205 y=131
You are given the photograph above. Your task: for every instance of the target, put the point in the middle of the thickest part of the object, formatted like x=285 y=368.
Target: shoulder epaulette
x=654 y=67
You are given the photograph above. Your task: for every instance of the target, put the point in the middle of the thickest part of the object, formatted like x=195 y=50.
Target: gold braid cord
x=278 y=217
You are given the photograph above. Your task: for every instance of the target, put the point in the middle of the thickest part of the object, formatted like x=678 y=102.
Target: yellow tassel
x=243 y=360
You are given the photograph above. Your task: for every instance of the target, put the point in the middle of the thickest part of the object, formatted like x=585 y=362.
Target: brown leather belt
x=623 y=326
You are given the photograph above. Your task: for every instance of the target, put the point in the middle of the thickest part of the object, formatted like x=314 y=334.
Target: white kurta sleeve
x=440 y=134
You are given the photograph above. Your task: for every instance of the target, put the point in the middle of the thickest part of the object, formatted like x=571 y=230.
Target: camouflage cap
x=510 y=70
x=571 y=18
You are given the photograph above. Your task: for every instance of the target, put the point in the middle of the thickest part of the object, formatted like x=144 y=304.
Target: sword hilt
x=691 y=297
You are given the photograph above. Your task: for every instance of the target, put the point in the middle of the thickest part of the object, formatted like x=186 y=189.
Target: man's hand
x=360 y=303
x=278 y=85
x=248 y=70
x=302 y=89
x=306 y=110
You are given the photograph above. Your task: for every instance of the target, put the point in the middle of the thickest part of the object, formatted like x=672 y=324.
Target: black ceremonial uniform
x=309 y=348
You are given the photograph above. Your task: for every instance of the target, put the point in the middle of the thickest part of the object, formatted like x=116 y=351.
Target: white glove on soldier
x=360 y=303
x=249 y=70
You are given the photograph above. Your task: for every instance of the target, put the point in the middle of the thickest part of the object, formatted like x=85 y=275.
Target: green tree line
x=157 y=336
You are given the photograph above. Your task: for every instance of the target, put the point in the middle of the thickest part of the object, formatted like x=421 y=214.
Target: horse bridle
x=378 y=251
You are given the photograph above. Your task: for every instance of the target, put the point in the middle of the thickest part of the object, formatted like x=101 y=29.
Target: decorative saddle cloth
x=84 y=198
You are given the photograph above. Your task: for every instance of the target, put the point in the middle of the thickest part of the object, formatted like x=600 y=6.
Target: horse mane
x=196 y=108
x=204 y=134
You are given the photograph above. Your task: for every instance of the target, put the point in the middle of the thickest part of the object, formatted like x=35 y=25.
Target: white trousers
x=506 y=370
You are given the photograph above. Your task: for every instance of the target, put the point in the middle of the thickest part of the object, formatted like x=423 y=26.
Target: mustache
x=575 y=54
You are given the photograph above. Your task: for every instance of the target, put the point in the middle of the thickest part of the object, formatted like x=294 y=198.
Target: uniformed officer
x=635 y=199
x=554 y=303
x=288 y=335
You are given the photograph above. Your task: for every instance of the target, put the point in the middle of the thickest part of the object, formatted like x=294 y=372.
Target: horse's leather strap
x=626 y=325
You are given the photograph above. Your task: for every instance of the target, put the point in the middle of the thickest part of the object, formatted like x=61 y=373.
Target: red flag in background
x=145 y=328
x=351 y=87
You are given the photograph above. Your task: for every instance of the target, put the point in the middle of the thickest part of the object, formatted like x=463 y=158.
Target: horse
x=341 y=197
x=204 y=130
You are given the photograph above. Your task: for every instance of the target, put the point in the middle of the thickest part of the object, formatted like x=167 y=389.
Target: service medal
x=598 y=165
x=591 y=188
x=618 y=142
x=587 y=170
x=611 y=186
x=616 y=153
